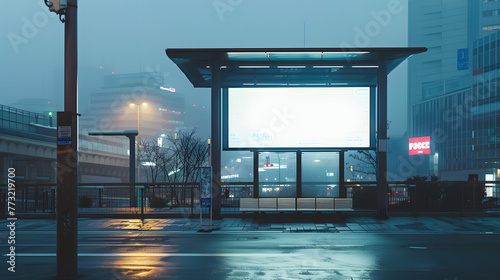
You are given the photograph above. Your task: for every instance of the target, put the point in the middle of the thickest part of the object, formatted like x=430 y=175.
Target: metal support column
x=256 y=174
x=382 y=140
x=132 y=170
x=215 y=138
x=299 y=174
x=67 y=155
x=342 y=190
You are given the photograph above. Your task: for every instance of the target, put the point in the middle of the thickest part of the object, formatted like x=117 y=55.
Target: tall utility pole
x=67 y=146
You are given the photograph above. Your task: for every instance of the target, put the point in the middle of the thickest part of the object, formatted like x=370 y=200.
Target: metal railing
x=22 y=120
x=231 y=194
x=29 y=198
x=106 y=198
x=473 y=196
x=425 y=196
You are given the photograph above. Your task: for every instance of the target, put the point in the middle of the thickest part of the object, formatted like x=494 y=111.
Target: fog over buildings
x=124 y=37
x=121 y=48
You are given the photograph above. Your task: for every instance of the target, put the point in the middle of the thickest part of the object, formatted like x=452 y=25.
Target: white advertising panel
x=298 y=117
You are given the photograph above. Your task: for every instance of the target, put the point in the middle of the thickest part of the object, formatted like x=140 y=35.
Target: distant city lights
x=168 y=89
x=173 y=172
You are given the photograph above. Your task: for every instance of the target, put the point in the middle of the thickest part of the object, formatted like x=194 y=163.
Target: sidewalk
x=396 y=225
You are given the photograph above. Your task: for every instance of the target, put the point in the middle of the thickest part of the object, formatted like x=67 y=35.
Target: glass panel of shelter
x=278 y=174
x=320 y=174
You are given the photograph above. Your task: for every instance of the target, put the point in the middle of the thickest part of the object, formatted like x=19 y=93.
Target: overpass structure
x=28 y=143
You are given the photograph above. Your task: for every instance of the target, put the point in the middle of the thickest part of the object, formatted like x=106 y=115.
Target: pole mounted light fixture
x=132 y=104
x=143 y=103
x=59 y=7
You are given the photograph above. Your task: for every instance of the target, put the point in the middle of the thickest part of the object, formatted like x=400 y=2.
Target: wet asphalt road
x=161 y=255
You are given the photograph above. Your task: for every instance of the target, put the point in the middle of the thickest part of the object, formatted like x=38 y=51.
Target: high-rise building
x=490 y=16
x=128 y=99
x=485 y=105
x=452 y=87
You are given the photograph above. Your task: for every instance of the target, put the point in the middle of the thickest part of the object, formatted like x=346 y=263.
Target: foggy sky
x=125 y=36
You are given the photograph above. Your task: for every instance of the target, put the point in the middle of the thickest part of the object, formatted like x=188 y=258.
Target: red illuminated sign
x=420 y=146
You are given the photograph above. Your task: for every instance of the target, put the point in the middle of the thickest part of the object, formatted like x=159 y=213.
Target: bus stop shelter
x=292 y=67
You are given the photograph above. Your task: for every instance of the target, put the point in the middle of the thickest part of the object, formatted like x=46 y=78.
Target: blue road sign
x=206 y=202
x=463 y=59
x=63 y=141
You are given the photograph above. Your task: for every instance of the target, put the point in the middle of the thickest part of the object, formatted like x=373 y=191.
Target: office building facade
x=452 y=88
x=158 y=109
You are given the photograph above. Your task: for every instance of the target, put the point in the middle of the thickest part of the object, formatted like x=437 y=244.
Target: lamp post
x=132 y=104
x=138 y=117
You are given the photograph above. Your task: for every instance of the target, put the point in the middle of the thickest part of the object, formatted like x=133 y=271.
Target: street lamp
x=138 y=113
x=132 y=104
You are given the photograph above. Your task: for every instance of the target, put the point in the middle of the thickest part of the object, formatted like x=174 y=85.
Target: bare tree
x=177 y=161
x=151 y=156
x=184 y=154
x=364 y=163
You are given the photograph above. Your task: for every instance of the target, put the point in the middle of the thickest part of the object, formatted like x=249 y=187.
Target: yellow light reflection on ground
x=141 y=262
x=143 y=254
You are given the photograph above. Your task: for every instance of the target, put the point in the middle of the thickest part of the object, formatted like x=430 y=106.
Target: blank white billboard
x=298 y=118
